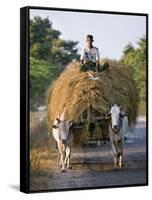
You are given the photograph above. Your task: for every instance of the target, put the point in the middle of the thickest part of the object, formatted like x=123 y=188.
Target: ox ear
x=123 y=114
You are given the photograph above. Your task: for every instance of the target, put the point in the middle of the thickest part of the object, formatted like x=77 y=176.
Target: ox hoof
x=69 y=167
x=121 y=165
x=63 y=170
x=115 y=167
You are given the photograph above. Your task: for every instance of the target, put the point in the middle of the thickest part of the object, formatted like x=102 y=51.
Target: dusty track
x=93 y=166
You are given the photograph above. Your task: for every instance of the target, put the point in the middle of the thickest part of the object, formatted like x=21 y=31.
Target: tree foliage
x=46 y=44
x=49 y=54
x=135 y=59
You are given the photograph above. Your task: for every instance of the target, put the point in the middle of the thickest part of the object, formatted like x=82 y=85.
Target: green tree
x=49 y=54
x=40 y=76
x=128 y=49
x=45 y=43
x=135 y=60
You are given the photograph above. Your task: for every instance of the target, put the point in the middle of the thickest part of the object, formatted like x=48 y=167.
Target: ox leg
x=67 y=158
x=60 y=162
x=114 y=154
x=63 y=169
x=115 y=162
x=120 y=154
x=120 y=160
x=61 y=148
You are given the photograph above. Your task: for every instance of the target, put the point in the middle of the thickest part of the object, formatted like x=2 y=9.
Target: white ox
x=64 y=140
x=118 y=126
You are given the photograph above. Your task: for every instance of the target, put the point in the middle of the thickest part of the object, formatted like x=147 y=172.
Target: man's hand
x=97 y=68
x=97 y=65
x=81 y=62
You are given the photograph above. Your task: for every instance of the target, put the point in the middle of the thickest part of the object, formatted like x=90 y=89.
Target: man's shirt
x=90 y=54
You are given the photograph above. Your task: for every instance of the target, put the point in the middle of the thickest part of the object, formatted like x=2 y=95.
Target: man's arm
x=97 y=65
x=82 y=57
x=97 y=59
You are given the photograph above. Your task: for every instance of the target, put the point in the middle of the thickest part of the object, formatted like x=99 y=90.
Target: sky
x=112 y=32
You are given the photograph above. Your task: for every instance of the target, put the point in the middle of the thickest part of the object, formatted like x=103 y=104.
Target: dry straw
x=87 y=100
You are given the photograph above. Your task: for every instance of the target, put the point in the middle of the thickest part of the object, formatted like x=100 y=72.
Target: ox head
x=116 y=114
x=63 y=126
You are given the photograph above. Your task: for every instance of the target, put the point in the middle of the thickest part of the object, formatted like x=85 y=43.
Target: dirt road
x=93 y=166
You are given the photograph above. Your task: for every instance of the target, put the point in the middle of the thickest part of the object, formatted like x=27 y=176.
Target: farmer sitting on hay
x=90 y=57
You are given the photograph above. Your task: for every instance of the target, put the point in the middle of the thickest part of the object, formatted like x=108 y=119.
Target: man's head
x=89 y=40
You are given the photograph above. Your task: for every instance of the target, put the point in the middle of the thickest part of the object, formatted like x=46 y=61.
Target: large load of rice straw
x=87 y=101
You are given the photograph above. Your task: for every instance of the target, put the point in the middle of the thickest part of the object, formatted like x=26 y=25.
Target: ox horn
x=108 y=115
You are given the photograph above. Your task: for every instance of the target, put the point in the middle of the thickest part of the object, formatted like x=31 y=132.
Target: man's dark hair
x=90 y=37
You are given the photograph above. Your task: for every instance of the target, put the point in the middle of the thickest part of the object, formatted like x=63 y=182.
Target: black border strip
x=24 y=98
x=24 y=101
x=86 y=11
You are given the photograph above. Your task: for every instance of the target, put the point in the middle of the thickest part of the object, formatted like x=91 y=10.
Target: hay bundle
x=87 y=100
